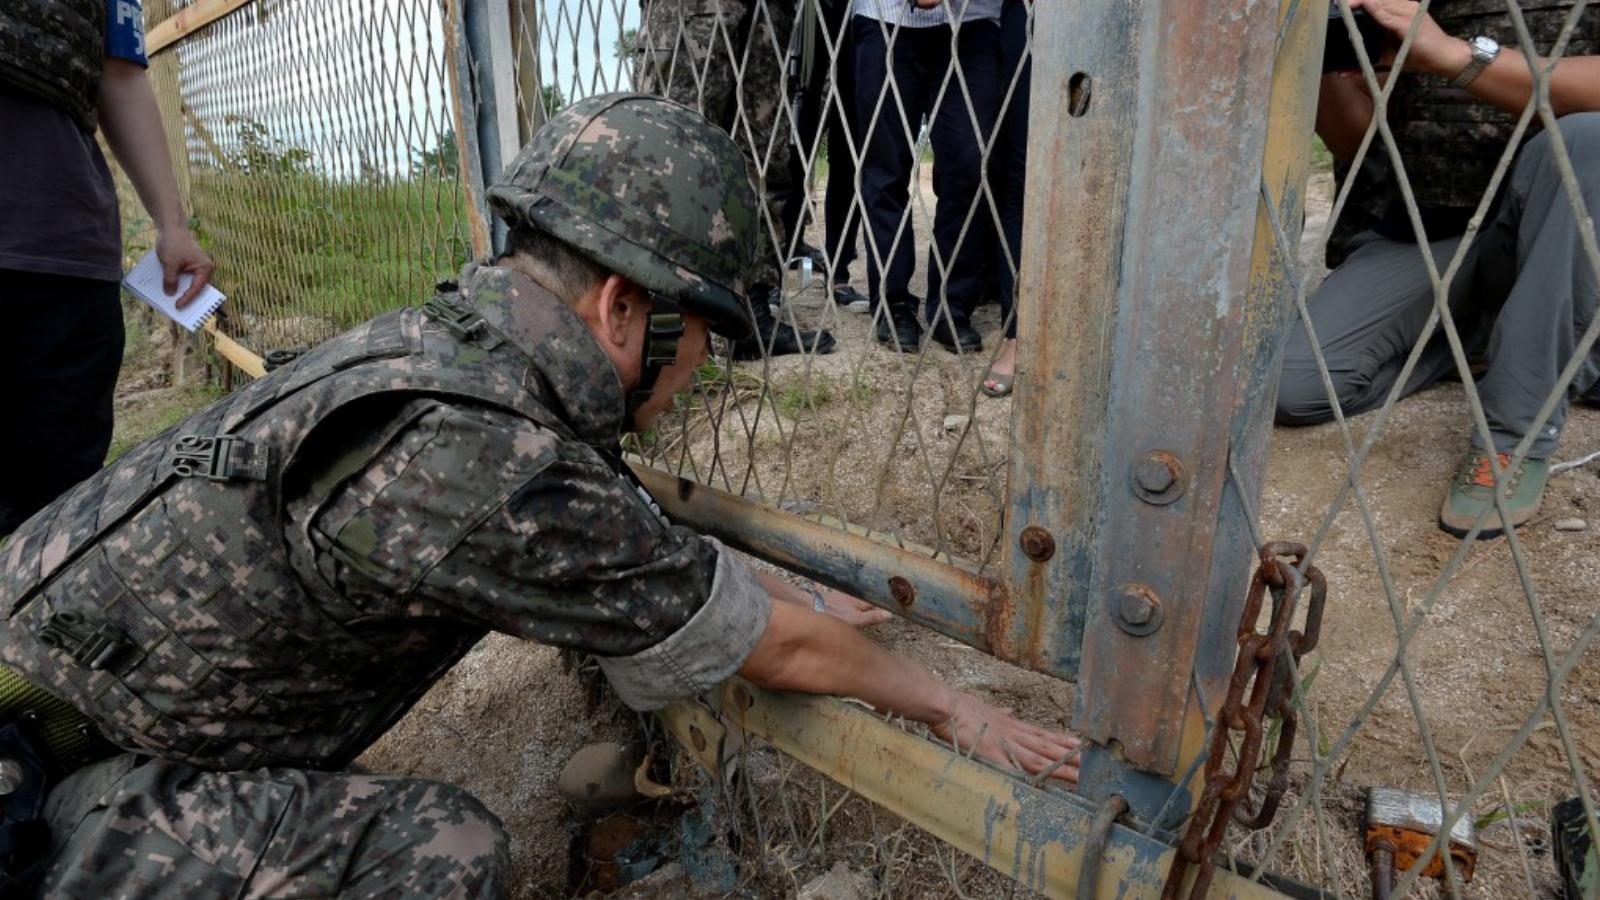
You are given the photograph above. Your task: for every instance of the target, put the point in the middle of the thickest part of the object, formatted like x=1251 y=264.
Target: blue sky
x=361 y=85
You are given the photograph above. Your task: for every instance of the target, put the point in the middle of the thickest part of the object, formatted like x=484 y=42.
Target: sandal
x=1002 y=384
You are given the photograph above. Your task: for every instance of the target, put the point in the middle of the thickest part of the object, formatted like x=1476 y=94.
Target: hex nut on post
x=1137 y=610
x=1159 y=477
x=1037 y=544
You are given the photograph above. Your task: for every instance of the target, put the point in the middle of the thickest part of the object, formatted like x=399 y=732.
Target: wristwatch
x=1484 y=50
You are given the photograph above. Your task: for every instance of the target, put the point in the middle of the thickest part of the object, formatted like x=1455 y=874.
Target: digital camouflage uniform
x=254 y=596
x=727 y=58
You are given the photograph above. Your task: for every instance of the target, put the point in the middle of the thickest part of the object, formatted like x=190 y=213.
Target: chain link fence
x=334 y=157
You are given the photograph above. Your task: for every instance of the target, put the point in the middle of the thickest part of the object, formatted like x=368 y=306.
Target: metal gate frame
x=1153 y=301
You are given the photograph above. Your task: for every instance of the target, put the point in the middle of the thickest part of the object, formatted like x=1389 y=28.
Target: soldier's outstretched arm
x=801 y=650
x=842 y=606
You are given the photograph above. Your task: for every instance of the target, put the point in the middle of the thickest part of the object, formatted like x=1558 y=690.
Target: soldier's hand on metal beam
x=1000 y=737
x=1431 y=50
x=848 y=609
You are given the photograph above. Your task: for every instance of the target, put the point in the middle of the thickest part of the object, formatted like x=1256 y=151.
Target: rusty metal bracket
x=1261 y=688
x=696 y=728
x=914 y=582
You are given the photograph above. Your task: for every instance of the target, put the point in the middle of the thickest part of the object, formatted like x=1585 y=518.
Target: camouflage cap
x=649 y=189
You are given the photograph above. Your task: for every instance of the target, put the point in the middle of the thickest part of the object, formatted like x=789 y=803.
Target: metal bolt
x=902 y=591
x=1159 y=477
x=1155 y=475
x=10 y=776
x=1135 y=608
x=1037 y=544
x=697 y=739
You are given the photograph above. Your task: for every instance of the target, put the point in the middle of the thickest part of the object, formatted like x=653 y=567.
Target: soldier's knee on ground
x=476 y=842
x=451 y=844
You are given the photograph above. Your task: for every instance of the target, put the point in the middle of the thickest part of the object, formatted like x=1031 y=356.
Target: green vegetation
x=1499 y=814
x=802 y=395
x=1321 y=157
x=137 y=423
x=810 y=394
x=293 y=242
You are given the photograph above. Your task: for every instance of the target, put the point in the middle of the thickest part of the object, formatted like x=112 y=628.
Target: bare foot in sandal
x=997 y=383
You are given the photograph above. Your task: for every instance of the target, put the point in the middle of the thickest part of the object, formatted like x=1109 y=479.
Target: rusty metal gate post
x=482 y=58
x=1152 y=304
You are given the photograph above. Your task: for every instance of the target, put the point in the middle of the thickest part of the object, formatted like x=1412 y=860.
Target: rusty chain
x=1261 y=688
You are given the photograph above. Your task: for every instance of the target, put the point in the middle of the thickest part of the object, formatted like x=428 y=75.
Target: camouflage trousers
x=131 y=827
x=727 y=59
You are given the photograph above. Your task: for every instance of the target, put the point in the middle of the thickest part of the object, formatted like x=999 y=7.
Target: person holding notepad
x=65 y=68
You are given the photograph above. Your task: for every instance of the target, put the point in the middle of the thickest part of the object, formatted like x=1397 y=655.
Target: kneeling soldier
x=242 y=605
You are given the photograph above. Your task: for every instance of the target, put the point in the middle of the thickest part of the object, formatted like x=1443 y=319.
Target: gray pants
x=1525 y=293
x=141 y=828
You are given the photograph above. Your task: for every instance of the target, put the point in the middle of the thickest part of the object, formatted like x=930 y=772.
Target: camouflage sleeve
x=476 y=516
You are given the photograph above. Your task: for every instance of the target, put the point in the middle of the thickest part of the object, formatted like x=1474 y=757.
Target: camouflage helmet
x=649 y=189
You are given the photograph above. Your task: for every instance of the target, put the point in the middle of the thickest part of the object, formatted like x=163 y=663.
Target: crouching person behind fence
x=244 y=604
x=1525 y=291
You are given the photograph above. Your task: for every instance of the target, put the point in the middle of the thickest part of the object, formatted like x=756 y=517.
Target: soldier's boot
x=775 y=338
x=600 y=779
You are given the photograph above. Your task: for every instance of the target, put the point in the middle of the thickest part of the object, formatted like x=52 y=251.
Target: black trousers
x=817 y=115
x=1008 y=162
x=918 y=60
x=60 y=352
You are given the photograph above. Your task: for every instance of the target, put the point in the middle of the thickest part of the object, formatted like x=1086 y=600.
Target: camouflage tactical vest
x=1449 y=140
x=145 y=595
x=55 y=49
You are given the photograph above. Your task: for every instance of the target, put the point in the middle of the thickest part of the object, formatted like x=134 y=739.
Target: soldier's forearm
x=782 y=590
x=818 y=654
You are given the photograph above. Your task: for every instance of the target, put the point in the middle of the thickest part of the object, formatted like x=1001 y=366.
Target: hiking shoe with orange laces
x=1473 y=490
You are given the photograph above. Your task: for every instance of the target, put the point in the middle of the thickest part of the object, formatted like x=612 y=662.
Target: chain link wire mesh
x=1470 y=745
x=323 y=167
x=315 y=145
x=842 y=427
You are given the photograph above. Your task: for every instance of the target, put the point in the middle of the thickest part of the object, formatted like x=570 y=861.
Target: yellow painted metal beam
x=1034 y=835
x=235 y=352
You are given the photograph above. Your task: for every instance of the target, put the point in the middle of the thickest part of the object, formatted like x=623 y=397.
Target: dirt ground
x=879 y=439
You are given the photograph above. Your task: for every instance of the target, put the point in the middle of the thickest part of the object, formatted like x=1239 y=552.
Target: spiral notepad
x=144 y=281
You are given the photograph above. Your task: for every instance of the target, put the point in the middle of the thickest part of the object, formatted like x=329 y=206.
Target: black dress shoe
x=965 y=338
x=898 y=329
x=819 y=260
x=774 y=338
x=847 y=297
